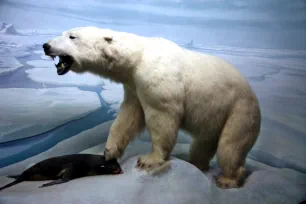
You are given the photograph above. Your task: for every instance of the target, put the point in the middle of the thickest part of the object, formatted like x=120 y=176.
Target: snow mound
x=180 y=183
x=8 y=29
x=28 y=112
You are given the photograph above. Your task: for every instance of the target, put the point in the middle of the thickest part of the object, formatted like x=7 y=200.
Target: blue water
x=20 y=149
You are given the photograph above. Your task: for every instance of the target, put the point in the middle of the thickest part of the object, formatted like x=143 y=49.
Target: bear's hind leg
x=237 y=138
x=201 y=152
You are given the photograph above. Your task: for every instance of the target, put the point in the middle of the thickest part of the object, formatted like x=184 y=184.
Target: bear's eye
x=72 y=37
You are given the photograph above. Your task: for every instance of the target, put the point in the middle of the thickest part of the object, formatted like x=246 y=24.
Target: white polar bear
x=167 y=88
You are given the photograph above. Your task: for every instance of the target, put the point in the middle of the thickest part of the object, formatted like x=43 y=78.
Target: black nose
x=46 y=46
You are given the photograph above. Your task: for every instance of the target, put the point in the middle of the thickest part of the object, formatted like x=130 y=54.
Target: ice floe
x=27 y=112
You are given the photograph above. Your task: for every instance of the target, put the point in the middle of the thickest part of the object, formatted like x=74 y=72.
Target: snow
x=8 y=65
x=180 y=182
x=28 y=112
x=49 y=76
x=130 y=187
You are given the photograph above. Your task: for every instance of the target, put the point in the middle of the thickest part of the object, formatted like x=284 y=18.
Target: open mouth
x=64 y=64
x=117 y=171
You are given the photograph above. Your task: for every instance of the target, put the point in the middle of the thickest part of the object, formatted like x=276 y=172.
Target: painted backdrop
x=43 y=114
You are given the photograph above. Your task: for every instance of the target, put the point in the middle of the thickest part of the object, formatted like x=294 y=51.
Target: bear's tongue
x=63 y=65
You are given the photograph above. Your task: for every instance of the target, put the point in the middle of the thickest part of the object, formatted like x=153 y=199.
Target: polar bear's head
x=83 y=49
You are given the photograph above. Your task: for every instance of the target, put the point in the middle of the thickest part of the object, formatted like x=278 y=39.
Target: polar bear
x=167 y=88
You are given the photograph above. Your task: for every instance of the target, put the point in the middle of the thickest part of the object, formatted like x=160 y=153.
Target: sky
x=282 y=23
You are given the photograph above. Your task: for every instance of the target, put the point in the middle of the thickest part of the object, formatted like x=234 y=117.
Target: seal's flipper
x=58 y=181
x=14 y=176
x=64 y=175
x=11 y=184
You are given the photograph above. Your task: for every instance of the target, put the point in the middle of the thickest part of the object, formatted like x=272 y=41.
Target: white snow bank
x=8 y=65
x=181 y=183
x=49 y=76
x=82 y=141
x=27 y=112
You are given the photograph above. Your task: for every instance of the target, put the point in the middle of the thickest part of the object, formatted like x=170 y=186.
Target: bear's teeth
x=56 y=59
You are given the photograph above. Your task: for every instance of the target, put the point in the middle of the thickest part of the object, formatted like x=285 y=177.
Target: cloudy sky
x=284 y=19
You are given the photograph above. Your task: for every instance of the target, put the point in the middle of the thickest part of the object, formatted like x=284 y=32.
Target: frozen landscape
x=45 y=115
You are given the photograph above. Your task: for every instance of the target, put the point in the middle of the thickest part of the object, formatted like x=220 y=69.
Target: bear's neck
x=118 y=74
x=120 y=68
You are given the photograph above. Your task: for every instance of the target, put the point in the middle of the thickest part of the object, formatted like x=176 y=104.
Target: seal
x=62 y=169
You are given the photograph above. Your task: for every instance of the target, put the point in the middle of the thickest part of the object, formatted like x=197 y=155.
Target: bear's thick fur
x=166 y=88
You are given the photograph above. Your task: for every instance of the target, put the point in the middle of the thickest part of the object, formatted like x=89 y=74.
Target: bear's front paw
x=112 y=153
x=226 y=183
x=149 y=162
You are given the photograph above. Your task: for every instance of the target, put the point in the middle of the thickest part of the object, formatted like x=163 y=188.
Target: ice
x=8 y=65
x=49 y=76
x=21 y=45
x=28 y=112
x=80 y=142
x=12 y=49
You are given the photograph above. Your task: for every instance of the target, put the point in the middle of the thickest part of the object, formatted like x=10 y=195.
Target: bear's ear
x=108 y=39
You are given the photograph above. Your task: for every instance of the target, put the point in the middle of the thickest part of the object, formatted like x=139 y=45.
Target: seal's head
x=110 y=167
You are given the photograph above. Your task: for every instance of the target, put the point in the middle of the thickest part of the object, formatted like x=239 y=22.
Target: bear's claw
x=149 y=162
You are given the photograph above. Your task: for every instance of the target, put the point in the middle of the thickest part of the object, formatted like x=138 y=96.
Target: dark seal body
x=65 y=168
